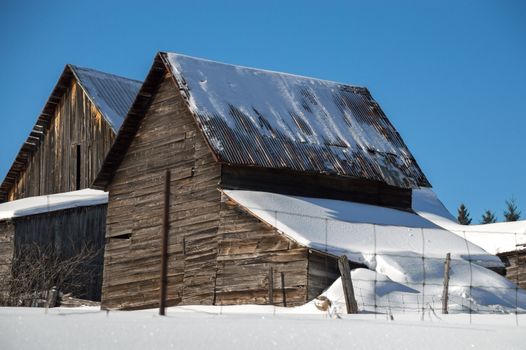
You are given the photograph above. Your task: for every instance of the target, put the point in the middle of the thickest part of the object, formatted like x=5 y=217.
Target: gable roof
x=254 y=117
x=111 y=94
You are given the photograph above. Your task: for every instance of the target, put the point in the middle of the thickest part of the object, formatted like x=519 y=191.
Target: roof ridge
x=74 y=67
x=268 y=70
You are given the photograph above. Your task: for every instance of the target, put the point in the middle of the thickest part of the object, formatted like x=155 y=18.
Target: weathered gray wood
x=348 y=290
x=445 y=291
x=77 y=124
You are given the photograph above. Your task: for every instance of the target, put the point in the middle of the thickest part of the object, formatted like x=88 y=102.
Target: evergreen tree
x=511 y=213
x=488 y=217
x=463 y=215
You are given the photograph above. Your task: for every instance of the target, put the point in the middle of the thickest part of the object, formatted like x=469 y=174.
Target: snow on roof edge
x=53 y=202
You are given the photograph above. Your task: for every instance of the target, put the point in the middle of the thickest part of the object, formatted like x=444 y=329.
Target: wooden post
x=164 y=243
x=446 y=283
x=52 y=297
x=348 y=290
x=270 y=286
x=283 y=293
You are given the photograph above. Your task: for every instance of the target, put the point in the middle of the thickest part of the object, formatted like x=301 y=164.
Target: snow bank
x=216 y=327
x=403 y=248
x=52 y=202
x=494 y=238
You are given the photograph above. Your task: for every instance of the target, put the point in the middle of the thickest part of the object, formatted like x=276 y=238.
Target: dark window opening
x=78 y=168
x=122 y=236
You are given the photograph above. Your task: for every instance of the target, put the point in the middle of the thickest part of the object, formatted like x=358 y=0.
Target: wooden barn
x=515 y=262
x=199 y=129
x=64 y=153
x=72 y=135
x=64 y=225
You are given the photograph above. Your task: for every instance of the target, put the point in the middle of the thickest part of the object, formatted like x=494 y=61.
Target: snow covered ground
x=252 y=327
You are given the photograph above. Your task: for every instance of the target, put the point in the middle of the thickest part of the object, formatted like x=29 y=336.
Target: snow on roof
x=52 y=202
x=495 y=238
x=360 y=231
x=113 y=95
x=286 y=121
x=402 y=249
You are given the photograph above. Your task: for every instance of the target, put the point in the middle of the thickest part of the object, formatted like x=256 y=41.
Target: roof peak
x=75 y=67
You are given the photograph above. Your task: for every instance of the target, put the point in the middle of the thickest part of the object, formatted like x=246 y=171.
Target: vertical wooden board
x=6 y=253
x=52 y=167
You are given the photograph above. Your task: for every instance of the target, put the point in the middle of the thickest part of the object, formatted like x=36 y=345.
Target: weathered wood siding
x=217 y=254
x=7 y=232
x=248 y=248
x=166 y=139
x=515 y=267
x=53 y=166
x=68 y=231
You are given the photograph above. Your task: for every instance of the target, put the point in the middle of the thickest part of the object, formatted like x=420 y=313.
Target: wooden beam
x=270 y=286
x=283 y=293
x=348 y=290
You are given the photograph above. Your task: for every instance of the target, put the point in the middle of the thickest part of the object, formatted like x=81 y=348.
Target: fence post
x=348 y=290
x=270 y=286
x=283 y=293
x=446 y=283
x=164 y=243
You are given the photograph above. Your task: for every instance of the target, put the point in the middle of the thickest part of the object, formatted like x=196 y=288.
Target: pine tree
x=488 y=217
x=463 y=215
x=511 y=213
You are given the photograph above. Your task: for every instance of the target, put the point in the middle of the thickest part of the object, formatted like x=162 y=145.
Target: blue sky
x=450 y=75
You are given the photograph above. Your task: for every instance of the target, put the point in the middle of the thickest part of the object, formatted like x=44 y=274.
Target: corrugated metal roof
x=260 y=118
x=113 y=95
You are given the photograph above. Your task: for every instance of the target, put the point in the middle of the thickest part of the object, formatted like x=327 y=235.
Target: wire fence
x=403 y=263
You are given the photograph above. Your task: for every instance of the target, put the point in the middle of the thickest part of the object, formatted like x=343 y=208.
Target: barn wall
x=515 y=267
x=67 y=232
x=166 y=139
x=7 y=231
x=248 y=249
x=53 y=166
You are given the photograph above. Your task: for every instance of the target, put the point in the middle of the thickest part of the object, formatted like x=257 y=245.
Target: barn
x=63 y=153
x=65 y=226
x=72 y=134
x=202 y=133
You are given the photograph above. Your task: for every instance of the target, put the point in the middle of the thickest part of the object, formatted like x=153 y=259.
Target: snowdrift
x=495 y=238
x=404 y=252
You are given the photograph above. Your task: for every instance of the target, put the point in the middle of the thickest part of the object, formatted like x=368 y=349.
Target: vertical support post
x=348 y=290
x=283 y=293
x=445 y=292
x=164 y=244
x=270 y=286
